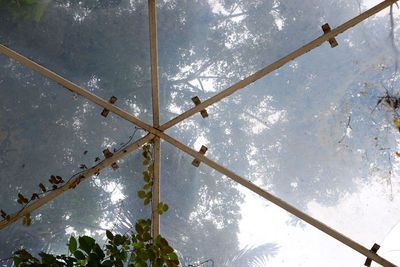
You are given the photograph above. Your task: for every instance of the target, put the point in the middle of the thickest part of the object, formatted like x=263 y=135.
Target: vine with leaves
x=139 y=248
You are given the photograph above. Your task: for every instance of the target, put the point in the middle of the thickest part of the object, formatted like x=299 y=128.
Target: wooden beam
x=156 y=188
x=153 y=60
x=85 y=175
x=74 y=88
x=277 y=201
x=279 y=63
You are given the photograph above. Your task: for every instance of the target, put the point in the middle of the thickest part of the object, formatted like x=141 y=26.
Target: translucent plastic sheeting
x=206 y=46
x=102 y=46
x=211 y=218
x=320 y=133
x=45 y=130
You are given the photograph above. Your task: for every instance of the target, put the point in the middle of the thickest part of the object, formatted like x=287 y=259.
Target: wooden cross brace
x=374 y=249
x=196 y=162
x=105 y=111
x=197 y=101
x=107 y=154
x=326 y=28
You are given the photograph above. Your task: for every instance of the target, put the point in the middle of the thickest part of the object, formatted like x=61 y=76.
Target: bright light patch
x=201 y=140
x=116 y=192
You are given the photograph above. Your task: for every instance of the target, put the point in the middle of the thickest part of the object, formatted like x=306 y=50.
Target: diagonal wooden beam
x=279 y=63
x=156 y=188
x=277 y=201
x=153 y=60
x=85 y=175
x=216 y=98
x=74 y=88
x=319 y=225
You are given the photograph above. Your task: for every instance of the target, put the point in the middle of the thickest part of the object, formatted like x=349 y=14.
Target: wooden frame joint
x=202 y=151
x=108 y=154
x=105 y=111
x=196 y=101
x=374 y=249
x=326 y=28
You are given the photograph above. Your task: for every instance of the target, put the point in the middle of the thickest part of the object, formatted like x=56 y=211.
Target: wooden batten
x=374 y=249
x=203 y=151
x=105 y=111
x=332 y=41
x=196 y=101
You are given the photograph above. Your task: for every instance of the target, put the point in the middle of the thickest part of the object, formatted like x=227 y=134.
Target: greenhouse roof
x=274 y=127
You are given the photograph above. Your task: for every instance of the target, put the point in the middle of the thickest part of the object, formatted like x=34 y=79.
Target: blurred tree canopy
x=204 y=47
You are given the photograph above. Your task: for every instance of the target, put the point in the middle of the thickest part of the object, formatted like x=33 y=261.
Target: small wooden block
x=326 y=28
x=105 y=111
x=374 y=249
x=113 y=99
x=204 y=113
x=203 y=150
x=197 y=101
x=115 y=166
x=107 y=153
x=196 y=162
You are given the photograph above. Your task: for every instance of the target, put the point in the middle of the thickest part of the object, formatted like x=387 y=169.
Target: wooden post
x=156 y=115
x=153 y=59
x=156 y=188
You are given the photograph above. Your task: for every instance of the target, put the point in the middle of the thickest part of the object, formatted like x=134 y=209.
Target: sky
x=368 y=215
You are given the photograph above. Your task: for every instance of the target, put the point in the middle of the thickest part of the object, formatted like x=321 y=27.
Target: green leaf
x=158 y=239
x=141 y=194
x=94 y=259
x=86 y=243
x=109 y=235
x=107 y=263
x=146 y=201
x=79 y=255
x=48 y=259
x=146 y=177
x=119 y=240
x=72 y=245
x=173 y=262
x=17 y=260
x=151 y=168
x=99 y=251
x=146 y=161
x=165 y=207
x=124 y=256
x=146 y=237
x=172 y=256
x=146 y=186
x=139 y=229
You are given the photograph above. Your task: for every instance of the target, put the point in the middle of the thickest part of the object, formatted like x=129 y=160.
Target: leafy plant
x=28 y=9
x=139 y=248
x=146 y=193
x=136 y=249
